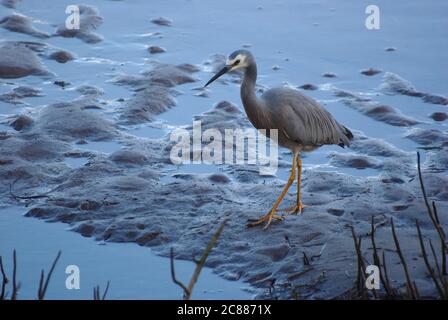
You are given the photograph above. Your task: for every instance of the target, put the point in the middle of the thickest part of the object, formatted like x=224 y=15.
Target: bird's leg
x=271 y=215
x=299 y=206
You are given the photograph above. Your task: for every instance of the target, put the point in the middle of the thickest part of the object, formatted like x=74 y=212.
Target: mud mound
x=16 y=95
x=17 y=60
x=69 y=122
x=394 y=84
x=10 y=3
x=153 y=94
x=89 y=22
x=374 y=110
x=22 y=24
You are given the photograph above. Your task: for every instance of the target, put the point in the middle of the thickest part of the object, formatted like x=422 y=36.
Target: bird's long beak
x=216 y=76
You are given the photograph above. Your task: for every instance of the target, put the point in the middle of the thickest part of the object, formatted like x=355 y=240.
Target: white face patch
x=242 y=63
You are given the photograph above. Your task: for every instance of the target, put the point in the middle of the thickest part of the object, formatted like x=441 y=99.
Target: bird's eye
x=236 y=62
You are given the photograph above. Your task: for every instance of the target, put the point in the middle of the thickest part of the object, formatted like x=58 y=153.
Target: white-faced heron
x=302 y=123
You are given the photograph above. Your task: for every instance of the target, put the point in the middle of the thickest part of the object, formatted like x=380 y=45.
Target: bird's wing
x=302 y=119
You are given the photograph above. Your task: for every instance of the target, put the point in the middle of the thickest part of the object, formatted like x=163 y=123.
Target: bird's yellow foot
x=266 y=218
x=297 y=209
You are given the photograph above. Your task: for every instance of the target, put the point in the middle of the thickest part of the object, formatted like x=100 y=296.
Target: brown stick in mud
x=386 y=276
x=410 y=285
x=376 y=259
x=96 y=292
x=439 y=273
x=361 y=278
x=43 y=285
x=442 y=242
x=432 y=213
x=428 y=265
x=15 y=288
x=199 y=264
x=4 y=280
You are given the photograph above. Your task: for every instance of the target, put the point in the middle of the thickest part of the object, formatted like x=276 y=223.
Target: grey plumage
x=301 y=120
x=302 y=123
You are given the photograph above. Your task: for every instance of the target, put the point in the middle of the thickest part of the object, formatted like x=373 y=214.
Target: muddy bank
x=123 y=197
x=67 y=135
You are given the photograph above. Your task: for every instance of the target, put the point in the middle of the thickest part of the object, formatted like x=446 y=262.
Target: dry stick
x=441 y=277
x=199 y=264
x=428 y=265
x=410 y=286
x=106 y=291
x=361 y=266
x=436 y=262
x=436 y=215
x=96 y=292
x=422 y=186
x=41 y=283
x=376 y=258
x=417 y=293
x=306 y=261
x=16 y=197
x=44 y=285
x=443 y=244
x=358 y=276
x=386 y=276
x=359 y=285
x=205 y=254
x=4 y=280
x=433 y=216
x=14 y=278
x=173 y=274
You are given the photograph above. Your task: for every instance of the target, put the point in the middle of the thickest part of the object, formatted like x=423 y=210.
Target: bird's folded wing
x=303 y=120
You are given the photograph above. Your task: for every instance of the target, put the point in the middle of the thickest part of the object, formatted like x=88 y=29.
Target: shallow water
x=333 y=39
x=305 y=39
x=134 y=272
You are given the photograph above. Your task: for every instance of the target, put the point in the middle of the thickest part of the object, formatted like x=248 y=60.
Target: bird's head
x=239 y=59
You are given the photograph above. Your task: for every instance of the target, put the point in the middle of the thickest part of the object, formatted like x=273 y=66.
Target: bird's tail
x=348 y=133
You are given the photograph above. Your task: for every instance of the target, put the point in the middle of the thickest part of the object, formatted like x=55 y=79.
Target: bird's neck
x=248 y=96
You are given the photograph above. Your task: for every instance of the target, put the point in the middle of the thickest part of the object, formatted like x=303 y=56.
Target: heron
x=302 y=124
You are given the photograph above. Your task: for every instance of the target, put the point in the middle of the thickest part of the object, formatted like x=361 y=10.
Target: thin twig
x=105 y=291
x=96 y=292
x=432 y=215
x=14 y=276
x=376 y=258
x=203 y=259
x=41 y=283
x=173 y=274
x=199 y=264
x=43 y=289
x=439 y=272
x=359 y=273
x=410 y=286
x=4 y=280
x=16 y=197
x=417 y=293
x=442 y=242
x=425 y=258
x=361 y=279
x=422 y=187
x=386 y=276
x=306 y=261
